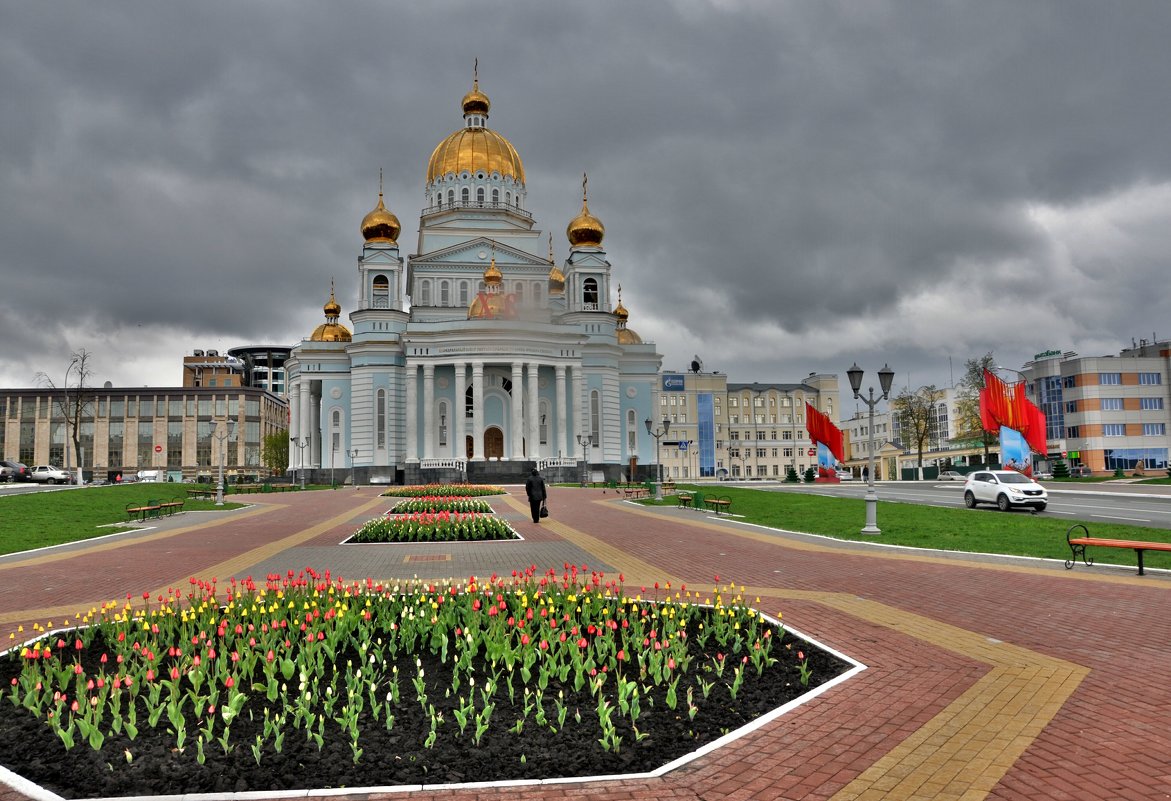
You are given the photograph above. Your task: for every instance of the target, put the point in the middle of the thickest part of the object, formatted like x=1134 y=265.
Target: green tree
x=275 y=453
x=791 y=475
x=968 y=426
x=917 y=418
x=1060 y=469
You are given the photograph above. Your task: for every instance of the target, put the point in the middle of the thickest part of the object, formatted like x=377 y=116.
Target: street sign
x=813 y=451
x=158 y=448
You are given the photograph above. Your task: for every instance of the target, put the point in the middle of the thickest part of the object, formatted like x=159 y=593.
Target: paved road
x=986 y=678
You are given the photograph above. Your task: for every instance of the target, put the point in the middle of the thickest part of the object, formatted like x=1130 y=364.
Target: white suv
x=1005 y=488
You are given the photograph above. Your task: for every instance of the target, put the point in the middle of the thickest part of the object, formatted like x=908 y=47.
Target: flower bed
x=434 y=527
x=310 y=682
x=460 y=490
x=441 y=503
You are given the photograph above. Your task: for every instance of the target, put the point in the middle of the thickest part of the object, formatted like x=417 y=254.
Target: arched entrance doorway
x=494 y=443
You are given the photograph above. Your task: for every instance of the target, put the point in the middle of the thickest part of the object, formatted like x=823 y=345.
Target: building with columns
x=478 y=356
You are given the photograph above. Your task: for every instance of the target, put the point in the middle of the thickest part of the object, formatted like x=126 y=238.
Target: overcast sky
x=787 y=187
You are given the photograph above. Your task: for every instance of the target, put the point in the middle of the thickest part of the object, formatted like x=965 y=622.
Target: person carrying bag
x=535 y=490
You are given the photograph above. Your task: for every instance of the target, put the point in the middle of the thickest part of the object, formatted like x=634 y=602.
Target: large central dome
x=475 y=148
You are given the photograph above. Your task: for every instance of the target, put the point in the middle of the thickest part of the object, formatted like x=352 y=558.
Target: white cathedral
x=482 y=358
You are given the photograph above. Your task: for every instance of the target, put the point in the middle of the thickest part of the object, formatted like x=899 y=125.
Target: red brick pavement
x=943 y=638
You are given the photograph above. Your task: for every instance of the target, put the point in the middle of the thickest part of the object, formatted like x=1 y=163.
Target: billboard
x=672 y=382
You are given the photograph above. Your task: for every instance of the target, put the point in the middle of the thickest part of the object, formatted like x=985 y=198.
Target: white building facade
x=477 y=357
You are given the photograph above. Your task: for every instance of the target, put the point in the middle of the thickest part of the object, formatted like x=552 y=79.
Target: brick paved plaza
x=987 y=678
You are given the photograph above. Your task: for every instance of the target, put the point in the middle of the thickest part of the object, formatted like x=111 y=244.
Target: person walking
x=535 y=489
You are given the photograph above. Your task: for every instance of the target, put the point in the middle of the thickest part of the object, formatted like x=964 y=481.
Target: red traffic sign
x=158 y=448
x=813 y=451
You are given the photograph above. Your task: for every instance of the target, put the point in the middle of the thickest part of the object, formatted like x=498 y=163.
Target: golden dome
x=331 y=330
x=627 y=336
x=492 y=275
x=475 y=101
x=585 y=230
x=380 y=225
x=475 y=150
x=556 y=282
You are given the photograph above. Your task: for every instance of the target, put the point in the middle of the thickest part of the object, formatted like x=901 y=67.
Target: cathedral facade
x=477 y=356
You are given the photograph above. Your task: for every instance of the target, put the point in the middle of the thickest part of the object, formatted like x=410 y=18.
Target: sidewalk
x=985 y=679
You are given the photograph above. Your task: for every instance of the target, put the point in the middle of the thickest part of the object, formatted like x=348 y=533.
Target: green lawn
x=36 y=520
x=982 y=530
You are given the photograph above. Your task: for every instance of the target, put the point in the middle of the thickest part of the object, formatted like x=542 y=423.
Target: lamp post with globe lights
x=885 y=379
x=650 y=429
x=584 y=440
x=302 y=443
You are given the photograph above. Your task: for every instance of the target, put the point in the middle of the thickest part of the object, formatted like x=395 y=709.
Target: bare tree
x=915 y=412
x=74 y=398
x=969 y=426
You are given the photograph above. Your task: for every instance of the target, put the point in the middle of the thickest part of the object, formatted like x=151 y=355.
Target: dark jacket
x=535 y=488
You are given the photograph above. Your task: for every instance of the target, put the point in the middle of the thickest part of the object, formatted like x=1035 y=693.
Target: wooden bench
x=282 y=487
x=1077 y=547
x=143 y=511
x=246 y=489
x=171 y=507
x=201 y=494
x=635 y=492
x=718 y=505
x=668 y=486
x=685 y=499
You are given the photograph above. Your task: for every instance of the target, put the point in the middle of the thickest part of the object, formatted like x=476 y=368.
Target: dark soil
x=152 y=765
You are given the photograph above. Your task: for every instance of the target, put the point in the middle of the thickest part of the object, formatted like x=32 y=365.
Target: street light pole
x=885 y=378
x=584 y=440
x=658 y=462
x=301 y=442
x=222 y=433
x=353 y=456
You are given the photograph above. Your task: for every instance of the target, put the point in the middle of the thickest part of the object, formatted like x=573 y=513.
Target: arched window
x=508 y=198
x=469 y=402
x=444 y=293
x=425 y=293
x=380 y=424
x=590 y=293
x=463 y=293
x=480 y=195
x=631 y=432
x=451 y=197
x=381 y=299
x=335 y=435
x=463 y=195
x=519 y=289
x=443 y=424
x=495 y=197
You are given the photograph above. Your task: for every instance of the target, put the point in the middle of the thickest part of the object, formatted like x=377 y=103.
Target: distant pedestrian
x=865 y=473
x=535 y=489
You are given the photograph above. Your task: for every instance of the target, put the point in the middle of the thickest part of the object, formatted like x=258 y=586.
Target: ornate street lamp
x=585 y=440
x=658 y=462
x=302 y=443
x=885 y=378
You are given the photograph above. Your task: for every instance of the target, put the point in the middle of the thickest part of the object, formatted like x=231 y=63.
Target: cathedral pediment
x=478 y=251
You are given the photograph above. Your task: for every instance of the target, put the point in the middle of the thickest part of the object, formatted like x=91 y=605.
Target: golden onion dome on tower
x=331 y=330
x=585 y=230
x=626 y=336
x=491 y=303
x=380 y=225
x=492 y=275
x=556 y=282
x=475 y=148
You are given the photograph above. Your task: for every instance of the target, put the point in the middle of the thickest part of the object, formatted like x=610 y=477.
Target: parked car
x=1080 y=471
x=845 y=475
x=1042 y=475
x=47 y=474
x=952 y=475
x=16 y=471
x=1006 y=489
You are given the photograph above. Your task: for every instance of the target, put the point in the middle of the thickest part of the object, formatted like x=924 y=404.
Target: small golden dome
x=475 y=101
x=627 y=336
x=488 y=306
x=621 y=312
x=492 y=275
x=380 y=225
x=585 y=230
x=331 y=330
x=556 y=282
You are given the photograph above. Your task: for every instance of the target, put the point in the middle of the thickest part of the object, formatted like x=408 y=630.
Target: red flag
x=821 y=429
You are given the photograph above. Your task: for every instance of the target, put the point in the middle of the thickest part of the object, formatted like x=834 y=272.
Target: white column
x=315 y=427
x=429 y=411
x=458 y=450
x=517 y=405
x=294 y=423
x=534 y=414
x=562 y=435
x=477 y=411
x=579 y=421
x=306 y=424
x=411 y=411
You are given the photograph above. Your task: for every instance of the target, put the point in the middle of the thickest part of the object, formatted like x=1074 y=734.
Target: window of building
x=595 y=416
x=1111 y=379
x=1114 y=429
x=380 y=424
x=480 y=195
x=444 y=293
x=464 y=195
x=1071 y=407
x=1073 y=431
x=425 y=293
x=451 y=197
x=495 y=197
x=1151 y=404
x=1068 y=382
x=786 y=435
x=590 y=293
x=1154 y=429
x=381 y=292
x=443 y=424
x=1112 y=404
x=631 y=432
x=1150 y=378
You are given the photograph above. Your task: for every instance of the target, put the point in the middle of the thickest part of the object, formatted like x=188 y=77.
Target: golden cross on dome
x=550 y=247
x=584 y=180
x=379 y=182
x=476 y=70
